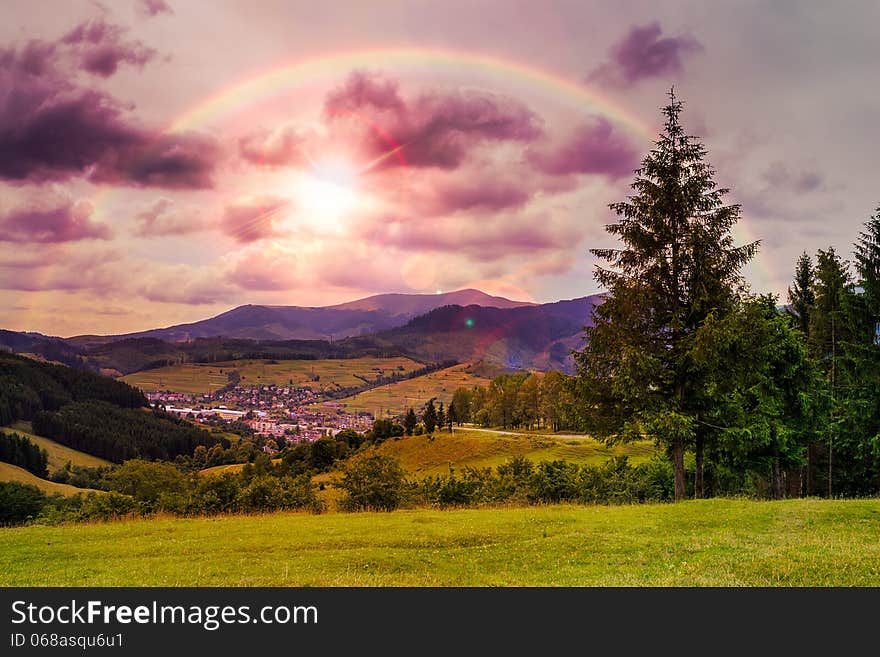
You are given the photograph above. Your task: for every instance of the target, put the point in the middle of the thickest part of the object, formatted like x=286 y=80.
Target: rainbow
x=329 y=68
x=279 y=79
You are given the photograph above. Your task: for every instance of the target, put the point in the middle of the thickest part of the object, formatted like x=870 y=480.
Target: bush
x=146 y=481
x=373 y=483
x=19 y=502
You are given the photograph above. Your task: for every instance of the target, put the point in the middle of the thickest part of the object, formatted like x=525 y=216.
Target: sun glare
x=327 y=193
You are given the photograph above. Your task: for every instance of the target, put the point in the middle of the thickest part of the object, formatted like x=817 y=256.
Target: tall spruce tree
x=429 y=416
x=867 y=261
x=831 y=338
x=678 y=263
x=800 y=294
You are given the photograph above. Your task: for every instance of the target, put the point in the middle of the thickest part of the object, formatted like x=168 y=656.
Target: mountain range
x=465 y=325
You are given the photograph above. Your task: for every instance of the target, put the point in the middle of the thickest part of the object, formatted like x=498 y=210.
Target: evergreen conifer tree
x=678 y=263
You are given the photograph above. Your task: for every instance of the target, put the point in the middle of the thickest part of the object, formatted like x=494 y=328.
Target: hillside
x=540 y=336
x=59 y=454
x=421 y=455
x=509 y=334
x=14 y=473
x=718 y=542
x=325 y=374
x=396 y=398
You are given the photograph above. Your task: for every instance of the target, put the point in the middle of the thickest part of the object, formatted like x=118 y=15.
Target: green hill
x=699 y=543
x=14 y=473
x=421 y=455
x=395 y=398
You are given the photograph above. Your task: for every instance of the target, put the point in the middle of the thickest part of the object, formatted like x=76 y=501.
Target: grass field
x=697 y=543
x=421 y=456
x=10 y=472
x=396 y=398
x=201 y=378
x=58 y=454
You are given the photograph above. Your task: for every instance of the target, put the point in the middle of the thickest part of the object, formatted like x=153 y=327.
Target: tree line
x=782 y=403
x=21 y=451
x=119 y=434
x=28 y=387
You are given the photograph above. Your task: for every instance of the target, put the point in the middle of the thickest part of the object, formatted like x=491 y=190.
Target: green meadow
x=719 y=542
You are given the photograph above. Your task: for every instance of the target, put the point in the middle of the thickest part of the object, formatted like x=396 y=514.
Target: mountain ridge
x=273 y=322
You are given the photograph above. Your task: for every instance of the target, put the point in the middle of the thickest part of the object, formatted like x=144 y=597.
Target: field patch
x=697 y=543
x=327 y=374
x=396 y=398
x=421 y=455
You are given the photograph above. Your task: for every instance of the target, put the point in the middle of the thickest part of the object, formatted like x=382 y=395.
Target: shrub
x=19 y=502
x=373 y=483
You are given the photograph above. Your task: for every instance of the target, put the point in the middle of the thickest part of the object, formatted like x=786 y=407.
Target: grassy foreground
x=699 y=543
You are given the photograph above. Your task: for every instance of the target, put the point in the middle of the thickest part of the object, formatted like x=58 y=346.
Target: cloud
x=183 y=284
x=47 y=267
x=642 y=54
x=153 y=7
x=434 y=129
x=472 y=191
x=162 y=218
x=282 y=146
x=68 y=222
x=172 y=161
x=779 y=176
x=264 y=267
x=593 y=148
x=53 y=129
x=485 y=239
x=253 y=219
x=101 y=47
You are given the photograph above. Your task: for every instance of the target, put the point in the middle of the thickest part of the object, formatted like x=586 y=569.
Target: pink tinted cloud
x=484 y=238
x=102 y=47
x=594 y=148
x=54 y=128
x=644 y=53
x=433 y=129
x=279 y=147
x=52 y=267
x=253 y=219
x=154 y=7
x=471 y=191
x=264 y=268
x=70 y=222
x=163 y=218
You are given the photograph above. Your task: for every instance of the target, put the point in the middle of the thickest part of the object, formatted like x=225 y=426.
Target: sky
x=163 y=161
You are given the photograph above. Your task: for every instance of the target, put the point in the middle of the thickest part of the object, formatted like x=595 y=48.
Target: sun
x=328 y=192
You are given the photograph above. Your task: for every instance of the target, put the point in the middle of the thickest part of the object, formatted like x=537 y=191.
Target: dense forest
x=28 y=387
x=21 y=451
x=118 y=434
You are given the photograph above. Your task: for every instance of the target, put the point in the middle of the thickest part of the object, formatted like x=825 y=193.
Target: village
x=296 y=414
